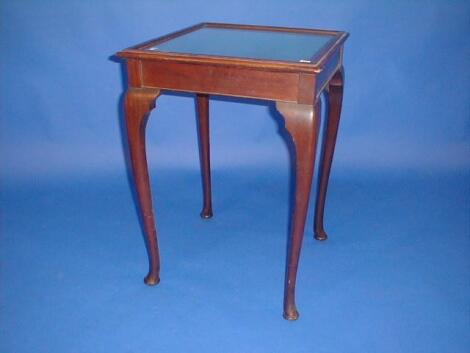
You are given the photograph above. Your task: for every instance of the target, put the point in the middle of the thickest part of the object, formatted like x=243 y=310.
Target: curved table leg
x=138 y=104
x=301 y=121
x=202 y=102
x=335 y=98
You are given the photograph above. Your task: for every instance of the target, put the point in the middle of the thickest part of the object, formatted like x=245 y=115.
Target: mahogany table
x=290 y=66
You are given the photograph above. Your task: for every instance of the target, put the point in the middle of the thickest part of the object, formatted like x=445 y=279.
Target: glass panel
x=255 y=44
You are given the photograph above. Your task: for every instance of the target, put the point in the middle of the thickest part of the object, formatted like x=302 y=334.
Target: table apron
x=223 y=80
x=332 y=65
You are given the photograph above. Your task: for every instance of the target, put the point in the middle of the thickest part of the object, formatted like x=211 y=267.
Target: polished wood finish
x=301 y=122
x=294 y=86
x=202 y=102
x=316 y=65
x=138 y=104
x=334 y=97
x=221 y=80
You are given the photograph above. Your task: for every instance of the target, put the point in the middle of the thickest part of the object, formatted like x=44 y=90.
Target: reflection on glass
x=255 y=44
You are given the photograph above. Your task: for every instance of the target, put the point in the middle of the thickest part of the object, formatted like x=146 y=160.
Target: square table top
x=245 y=44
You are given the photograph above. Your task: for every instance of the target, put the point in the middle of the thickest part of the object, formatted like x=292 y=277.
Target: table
x=291 y=66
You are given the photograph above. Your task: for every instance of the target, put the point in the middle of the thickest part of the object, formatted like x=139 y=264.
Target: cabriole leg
x=301 y=121
x=138 y=104
x=202 y=102
x=335 y=98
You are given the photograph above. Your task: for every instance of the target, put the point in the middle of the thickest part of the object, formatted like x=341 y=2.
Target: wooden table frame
x=294 y=86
